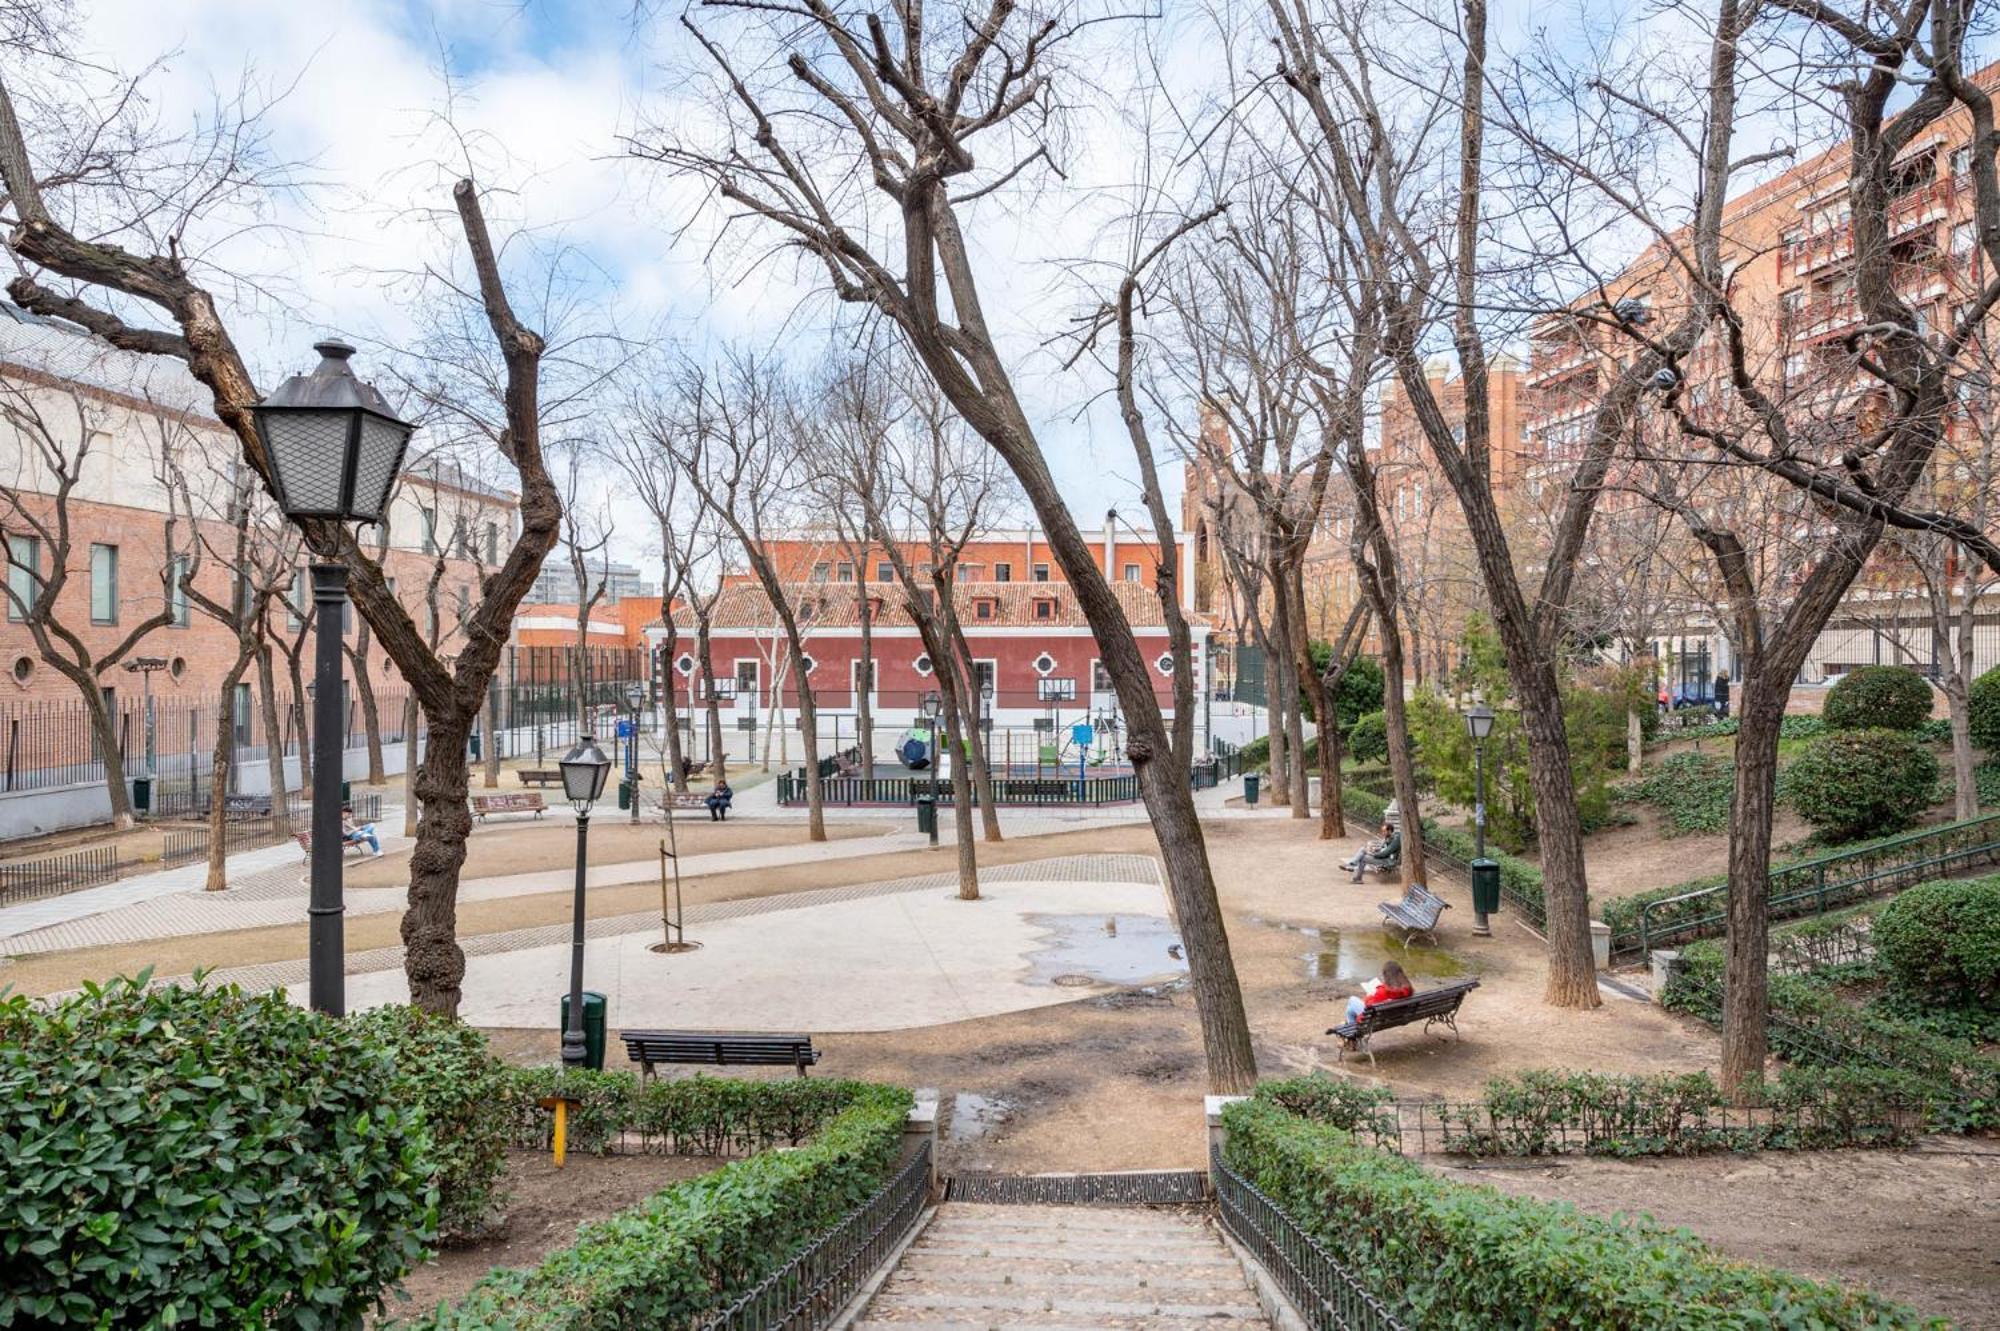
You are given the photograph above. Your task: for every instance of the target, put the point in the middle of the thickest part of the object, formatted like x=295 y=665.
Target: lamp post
x=1485 y=872
x=584 y=771
x=335 y=448
x=933 y=710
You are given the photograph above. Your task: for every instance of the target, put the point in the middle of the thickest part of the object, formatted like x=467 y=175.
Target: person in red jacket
x=1393 y=985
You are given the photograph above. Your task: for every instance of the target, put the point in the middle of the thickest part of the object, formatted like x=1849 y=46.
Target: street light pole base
x=574 y=1052
x=1480 y=927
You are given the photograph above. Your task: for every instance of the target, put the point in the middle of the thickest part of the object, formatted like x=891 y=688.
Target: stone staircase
x=994 y=1268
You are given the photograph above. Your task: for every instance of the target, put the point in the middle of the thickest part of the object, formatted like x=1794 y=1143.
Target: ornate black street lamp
x=1485 y=872
x=584 y=771
x=335 y=449
x=933 y=711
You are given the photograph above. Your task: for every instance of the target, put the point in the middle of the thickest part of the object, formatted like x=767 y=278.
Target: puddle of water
x=1110 y=949
x=977 y=1117
x=1358 y=955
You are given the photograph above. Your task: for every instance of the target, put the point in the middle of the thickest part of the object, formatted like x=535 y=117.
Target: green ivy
x=696 y=1246
x=195 y=1156
x=1451 y=1256
x=1692 y=791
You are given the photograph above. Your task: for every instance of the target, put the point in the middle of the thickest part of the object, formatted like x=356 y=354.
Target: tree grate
x=1174 y=1187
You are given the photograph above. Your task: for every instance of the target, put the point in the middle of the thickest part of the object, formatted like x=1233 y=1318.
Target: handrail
x=1325 y=1293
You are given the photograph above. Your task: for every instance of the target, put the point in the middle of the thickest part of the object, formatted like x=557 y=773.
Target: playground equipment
x=915 y=747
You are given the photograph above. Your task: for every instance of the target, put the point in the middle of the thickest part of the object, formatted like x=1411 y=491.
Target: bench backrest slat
x=1427 y=1004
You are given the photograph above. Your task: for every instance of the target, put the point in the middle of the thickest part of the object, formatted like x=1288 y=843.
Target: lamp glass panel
x=381 y=449
x=309 y=451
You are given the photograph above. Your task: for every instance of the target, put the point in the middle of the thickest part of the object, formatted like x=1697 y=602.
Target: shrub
x=1983 y=700
x=445 y=1072
x=1986 y=780
x=1883 y=697
x=1448 y=1254
x=1692 y=790
x=1941 y=942
x=198 y=1156
x=1862 y=783
x=1934 y=731
x=1368 y=742
x=696 y=1246
x=685 y=1116
x=1520 y=880
x=1800 y=727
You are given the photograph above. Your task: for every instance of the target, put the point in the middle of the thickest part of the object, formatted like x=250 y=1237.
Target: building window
x=1165 y=664
x=822 y=571
x=861 y=676
x=843 y=571
x=1131 y=573
x=1045 y=608
x=983 y=608
x=463 y=601
x=429 y=515
x=969 y=572
x=1003 y=573
x=24 y=568
x=1055 y=690
x=746 y=678
x=177 y=597
x=985 y=675
x=884 y=571
x=1041 y=573
x=685 y=665
x=922 y=664
x=296 y=601
x=492 y=542
x=104 y=584
x=1100 y=678
x=1043 y=664
x=810 y=664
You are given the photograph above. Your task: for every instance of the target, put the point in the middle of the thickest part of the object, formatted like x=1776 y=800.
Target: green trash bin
x=1250 y=788
x=926 y=814
x=625 y=793
x=142 y=794
x=593 y=1028
x=1486 y=886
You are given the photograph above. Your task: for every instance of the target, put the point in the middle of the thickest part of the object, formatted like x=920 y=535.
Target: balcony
x=1551 y=361
x=1909 y=212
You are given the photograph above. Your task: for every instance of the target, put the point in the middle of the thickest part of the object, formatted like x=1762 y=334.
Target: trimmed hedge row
x=1519 y=879
x=1449 y=1255
x=696 y=1246
x=1812 y=1025
x=685 y=1116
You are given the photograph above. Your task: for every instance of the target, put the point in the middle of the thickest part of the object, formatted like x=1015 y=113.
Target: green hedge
x=683 y=1116
x=696 y=1246
x=1448 y=1255
x=1862 y=783
x=1941 y=942
x=1368 y=741
x=1812 y=1025
x=1983 y=703
x=1885 y=697
x=194 y=1156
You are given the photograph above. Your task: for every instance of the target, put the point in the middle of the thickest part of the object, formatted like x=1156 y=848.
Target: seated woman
x=358 y=834
x=718 y=800
x=1393 y=985
x=1377 y=854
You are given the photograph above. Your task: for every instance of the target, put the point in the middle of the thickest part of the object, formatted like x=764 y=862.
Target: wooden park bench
x=1416 y=913
x=1431 y=1007
x=845 y=766
x=675 y=799
x=540 y=776
x=305 y=840
x=246 y=806
x=519 y=801
x=1371 y=864
x=647 y=1048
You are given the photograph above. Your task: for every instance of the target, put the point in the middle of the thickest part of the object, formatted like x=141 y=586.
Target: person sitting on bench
x=1392 y=985
x=358 y=834
x=1381 y=854
x=718 y=800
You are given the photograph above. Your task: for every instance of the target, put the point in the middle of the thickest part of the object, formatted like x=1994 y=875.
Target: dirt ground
x=544 y=1208
x=514 y=843
x=1918 y=1226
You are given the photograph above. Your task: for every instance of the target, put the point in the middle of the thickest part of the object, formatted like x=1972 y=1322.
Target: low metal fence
x=1007 y=791
x=808 y=1292
x=58 y=874
x=1327 y=1295
x=1817 y=886
x=184 y=845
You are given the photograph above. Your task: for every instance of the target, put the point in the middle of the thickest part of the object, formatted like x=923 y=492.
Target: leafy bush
x=1692 y=790
x=1802 y=726
x=1935 y=731
x=1986 y=779
x=695 y=1246
x=1984 y=705
x=1520 y=880
x=1862 y=783
x=1883 y=697
x=199 y=1156
x=445 y=1072
x=1368 y=742
x=1445 y=1254
x=1814 y=1026
x=1941 y=942
x=1348 y=1105
x=685 y=1116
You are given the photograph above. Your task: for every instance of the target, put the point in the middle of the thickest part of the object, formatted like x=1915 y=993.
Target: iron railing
x=1326 y=1294
x=809 y=1291
x=184 y=845
x=1007 y=791
x=1817 y=886
x=59 y=874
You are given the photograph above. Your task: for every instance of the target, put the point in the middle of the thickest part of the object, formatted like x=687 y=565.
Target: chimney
x=1110 y=544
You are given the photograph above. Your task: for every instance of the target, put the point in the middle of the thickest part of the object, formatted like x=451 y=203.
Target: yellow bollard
x=560 y=1104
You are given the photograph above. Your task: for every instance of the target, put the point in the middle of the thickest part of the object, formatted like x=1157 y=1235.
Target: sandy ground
x=515 y=843
x=544 y=1208
x=1918 y=1226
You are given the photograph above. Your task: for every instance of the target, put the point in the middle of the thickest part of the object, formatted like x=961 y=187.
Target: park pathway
x=989 y=1268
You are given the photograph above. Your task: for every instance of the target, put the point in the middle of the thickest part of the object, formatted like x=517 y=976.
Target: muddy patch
x=1115 y=950
x=1355 y=956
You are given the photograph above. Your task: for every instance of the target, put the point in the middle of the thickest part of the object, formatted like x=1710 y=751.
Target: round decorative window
x=178 y=667
x=685 y=664
x=24 y=666
x=923 y=664
x=1165 y=664
x=1044 y=663
x=811 y=665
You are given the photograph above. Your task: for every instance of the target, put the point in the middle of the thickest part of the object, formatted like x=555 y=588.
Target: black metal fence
x=809 y=1292
x=58 y=874
x=903 y=791
x=1326 y=1293
x=184 y=845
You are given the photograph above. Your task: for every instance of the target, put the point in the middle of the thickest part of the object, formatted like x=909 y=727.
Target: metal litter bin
x=927 y=814
x=593 y=1028
x=1250 y=783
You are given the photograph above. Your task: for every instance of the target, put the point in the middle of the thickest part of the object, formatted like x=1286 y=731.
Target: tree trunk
x=371 y=718
x=410 y=718
x=1965 y=803
x=982 y=769
x=1746 y=979
x=1402 y=758
x=432 y=959
x=489 y=735
x=220 y=760
x=274 y=748
x=952 y=744
x=676 y=766
x=1572 y=978
x=1635 y=743
x=1322 y=699
x=105 y=735
x=864 y=704
x=717 y=760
